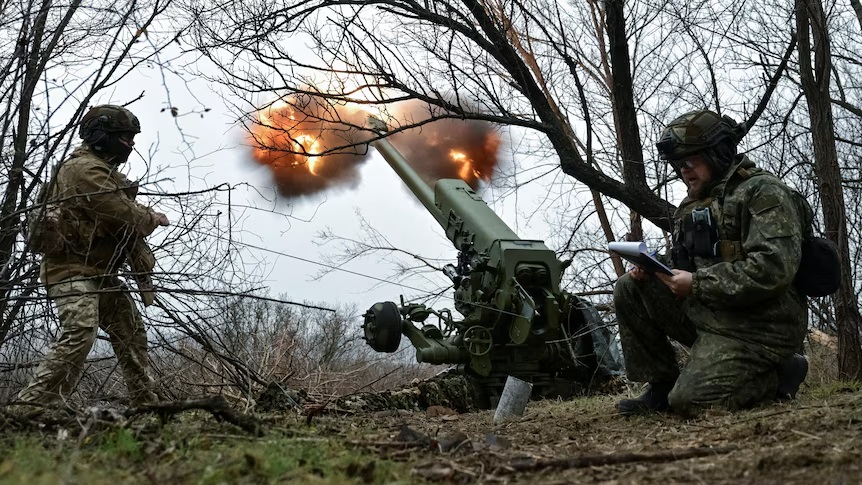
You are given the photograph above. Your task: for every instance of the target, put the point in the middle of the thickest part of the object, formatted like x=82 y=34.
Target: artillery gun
x=516 y=320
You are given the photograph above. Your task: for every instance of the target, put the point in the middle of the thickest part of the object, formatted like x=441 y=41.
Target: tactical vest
x=701 y=226
x=703 y=237
x=57 y=227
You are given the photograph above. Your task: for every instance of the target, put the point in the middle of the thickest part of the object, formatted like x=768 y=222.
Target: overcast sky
x=197 y=152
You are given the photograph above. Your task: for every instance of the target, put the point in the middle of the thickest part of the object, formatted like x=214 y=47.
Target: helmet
x=108 y=118
x=102 y=127
x=698 y=131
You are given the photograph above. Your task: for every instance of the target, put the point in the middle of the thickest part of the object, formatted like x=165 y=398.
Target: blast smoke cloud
x=287 y=135
x=442 y=148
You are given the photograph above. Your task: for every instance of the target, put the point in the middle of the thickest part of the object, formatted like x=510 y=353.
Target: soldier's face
x=696 y=174
x=127 y=139
x=122 y=147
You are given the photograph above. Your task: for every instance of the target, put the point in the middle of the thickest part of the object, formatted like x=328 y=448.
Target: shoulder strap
x=45 y=191
x=730 y=250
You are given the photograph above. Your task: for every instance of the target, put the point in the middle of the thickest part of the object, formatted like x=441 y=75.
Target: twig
x=534 y=464
x=215 y=405
x=807 y=435
x=388 y=444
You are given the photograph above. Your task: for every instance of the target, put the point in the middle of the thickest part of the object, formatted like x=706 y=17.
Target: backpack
x=819 y=272
x=44 y=224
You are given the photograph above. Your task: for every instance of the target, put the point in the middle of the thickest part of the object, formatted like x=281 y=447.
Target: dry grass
x=814 y=438
x=822 y=352
x=817 y=437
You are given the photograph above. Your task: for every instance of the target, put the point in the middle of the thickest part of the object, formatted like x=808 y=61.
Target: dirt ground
x=816 y=438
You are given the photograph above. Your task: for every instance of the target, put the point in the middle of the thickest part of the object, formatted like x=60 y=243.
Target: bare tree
x=811 y=22
x=561 y=70
x=497 y=53
x=857 y=7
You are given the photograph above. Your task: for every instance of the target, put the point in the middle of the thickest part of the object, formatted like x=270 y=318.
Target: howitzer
x=516 y=320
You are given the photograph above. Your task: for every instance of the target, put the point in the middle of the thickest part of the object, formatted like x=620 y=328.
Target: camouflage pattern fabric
x=102 y=231
x=721 y=371
x=743 y=316
x=648 y=314
x=85 y=306
x=101 y=219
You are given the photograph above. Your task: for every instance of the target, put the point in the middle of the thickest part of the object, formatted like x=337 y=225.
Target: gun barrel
x=463 y=215
x=414 y=182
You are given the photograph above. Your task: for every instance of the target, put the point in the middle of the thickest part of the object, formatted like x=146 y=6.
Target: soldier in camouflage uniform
x=95 y=227
x=737 y=240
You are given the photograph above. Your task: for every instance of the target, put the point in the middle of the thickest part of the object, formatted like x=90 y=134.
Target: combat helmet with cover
x=703 y=132
x=102 y=127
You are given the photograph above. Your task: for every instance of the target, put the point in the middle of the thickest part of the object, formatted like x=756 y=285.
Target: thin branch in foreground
x=51 y=417
x=216 y=405
x=534 y=464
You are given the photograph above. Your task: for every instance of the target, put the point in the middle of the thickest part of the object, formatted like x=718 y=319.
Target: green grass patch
x=26 y=453
x=121 y=444
x=190 y=453
x=832 y=388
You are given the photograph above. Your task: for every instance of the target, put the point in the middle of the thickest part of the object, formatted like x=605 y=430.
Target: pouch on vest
x=699 y=233
x=45 y=230
x=45 y=225
x=681 y=258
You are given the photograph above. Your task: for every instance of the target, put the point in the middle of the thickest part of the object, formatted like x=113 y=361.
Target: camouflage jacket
x=747 y=290
x=101 y=223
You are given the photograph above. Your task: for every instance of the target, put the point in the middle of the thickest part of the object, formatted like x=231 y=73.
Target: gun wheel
x=382 y=327
x=478 y=340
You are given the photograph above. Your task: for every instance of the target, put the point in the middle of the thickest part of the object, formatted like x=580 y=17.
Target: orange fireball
x=312 y=145
x=309 y=144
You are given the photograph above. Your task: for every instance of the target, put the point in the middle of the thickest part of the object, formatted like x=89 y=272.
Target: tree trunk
x=857 y=7
x=639 y=198
x=811 y=23
x=625 y=115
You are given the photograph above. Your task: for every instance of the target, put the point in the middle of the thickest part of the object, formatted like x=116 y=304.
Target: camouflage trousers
x=84 y=306
x=721 y=371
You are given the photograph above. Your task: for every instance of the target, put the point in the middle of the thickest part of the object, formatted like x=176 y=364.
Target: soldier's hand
x=638 y=274
x=680 y=283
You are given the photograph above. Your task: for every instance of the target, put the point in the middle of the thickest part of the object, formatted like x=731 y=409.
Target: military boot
x=791 y=374
x=653 y=400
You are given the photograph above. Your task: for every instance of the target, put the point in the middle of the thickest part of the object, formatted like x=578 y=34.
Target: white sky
x=380 y=196
x=218 y=156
